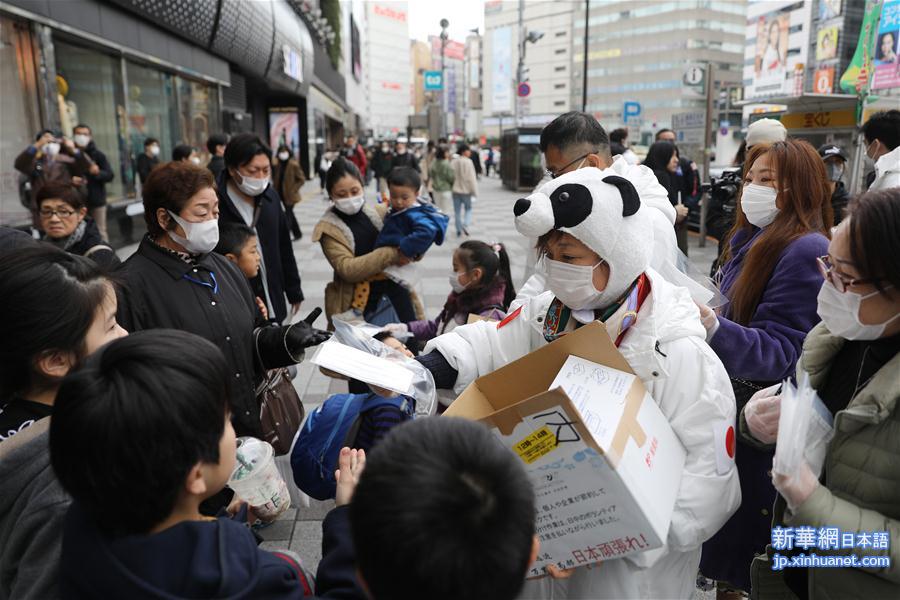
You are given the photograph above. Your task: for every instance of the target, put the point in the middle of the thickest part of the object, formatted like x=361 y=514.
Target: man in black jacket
x=98 y=175
x=835 y=161
x=216 y=146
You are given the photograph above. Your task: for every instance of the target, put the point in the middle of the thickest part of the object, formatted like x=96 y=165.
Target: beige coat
x=339 y=246
x=464 y=181
x=293 y=181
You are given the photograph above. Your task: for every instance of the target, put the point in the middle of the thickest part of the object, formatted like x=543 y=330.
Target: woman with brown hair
x=771 y=278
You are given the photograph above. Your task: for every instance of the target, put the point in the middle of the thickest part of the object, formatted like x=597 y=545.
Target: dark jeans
x=397 y=294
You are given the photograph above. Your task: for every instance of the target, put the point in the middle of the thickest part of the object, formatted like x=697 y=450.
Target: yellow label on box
x=536 y=445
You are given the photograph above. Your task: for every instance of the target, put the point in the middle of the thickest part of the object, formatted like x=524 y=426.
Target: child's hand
x=262 y=308
x=350 y=466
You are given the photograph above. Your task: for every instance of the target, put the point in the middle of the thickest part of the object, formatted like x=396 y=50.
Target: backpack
x=332 y=426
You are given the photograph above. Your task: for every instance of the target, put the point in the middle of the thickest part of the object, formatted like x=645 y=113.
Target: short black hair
x=874 y=245
x=884 y=126
x=163 y=389
x=575 y=128
x=50 y=299
x=440 y=153
x=340 y=168
x=405 y=177
x=243 y=148
x=461 y=148
x=181 y=151
x=662 y=131
x=150 y=141
x=233 y=237
x=459 y=518
x=83 y=126
x=216 y=139
x=618 y=135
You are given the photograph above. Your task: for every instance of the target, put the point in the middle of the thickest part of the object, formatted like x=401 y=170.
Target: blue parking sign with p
x=434 y=80
x=631 y=110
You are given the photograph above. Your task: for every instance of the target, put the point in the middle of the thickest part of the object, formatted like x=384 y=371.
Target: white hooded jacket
x=887 y=171
x=666 y=348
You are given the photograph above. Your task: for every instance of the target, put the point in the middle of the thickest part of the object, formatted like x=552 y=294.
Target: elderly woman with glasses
x=65 y=224
x=852 y=359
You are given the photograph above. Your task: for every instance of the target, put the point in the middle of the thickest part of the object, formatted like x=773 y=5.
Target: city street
x=300 y=528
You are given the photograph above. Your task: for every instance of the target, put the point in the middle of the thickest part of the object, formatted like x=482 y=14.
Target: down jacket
x=666 y=349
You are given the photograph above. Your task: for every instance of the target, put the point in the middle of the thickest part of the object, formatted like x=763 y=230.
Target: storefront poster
x=826 y=43
x=777 y=44
x=887 y=47
x=829 y=9
x=859 y=72
x=284 y=129
x=823 y=82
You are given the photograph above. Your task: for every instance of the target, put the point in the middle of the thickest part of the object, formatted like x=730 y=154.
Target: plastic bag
x=805 y=428
x=422 y=387
x=701 y=287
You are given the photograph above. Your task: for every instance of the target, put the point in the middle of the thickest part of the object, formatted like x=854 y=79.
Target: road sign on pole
x=524 y=89
x=434 y=81
x=631 y=111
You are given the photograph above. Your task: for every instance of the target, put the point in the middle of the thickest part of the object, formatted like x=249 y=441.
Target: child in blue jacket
x=410 y=225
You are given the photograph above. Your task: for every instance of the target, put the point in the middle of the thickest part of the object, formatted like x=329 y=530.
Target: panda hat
x=603 y=211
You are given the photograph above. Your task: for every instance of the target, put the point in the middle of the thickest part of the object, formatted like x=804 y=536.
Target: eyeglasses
x=841 y=283
x=62 y=213
x=562 y=171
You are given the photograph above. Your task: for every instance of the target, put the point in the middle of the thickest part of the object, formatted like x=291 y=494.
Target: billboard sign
x=827 y=43
x=777 y=42
x=887 y=47
x=434 y=81
x=823 y=82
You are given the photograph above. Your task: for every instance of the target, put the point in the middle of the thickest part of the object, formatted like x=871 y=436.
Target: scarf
x=66 y=243
x=558 y=314
x=475 y=301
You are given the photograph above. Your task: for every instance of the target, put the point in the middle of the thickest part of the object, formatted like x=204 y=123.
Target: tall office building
x=389 y=75
x=638 y=53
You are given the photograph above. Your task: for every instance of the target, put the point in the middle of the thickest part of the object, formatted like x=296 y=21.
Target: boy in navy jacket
x=140 y=436
x=410 y=225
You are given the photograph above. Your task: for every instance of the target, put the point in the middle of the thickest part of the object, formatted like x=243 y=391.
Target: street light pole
x=584 y=74
x=444 y=35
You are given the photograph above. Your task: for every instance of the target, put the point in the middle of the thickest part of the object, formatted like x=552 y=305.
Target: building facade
x=548 y=63
x=389 y=74
x=638 y=53
x=473 y=96
x=176 y=72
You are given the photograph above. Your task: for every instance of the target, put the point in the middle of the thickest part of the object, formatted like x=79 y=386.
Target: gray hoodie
x=33 y=507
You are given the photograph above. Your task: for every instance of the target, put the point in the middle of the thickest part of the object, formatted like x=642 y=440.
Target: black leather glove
x=302 y=334
x=280 y=346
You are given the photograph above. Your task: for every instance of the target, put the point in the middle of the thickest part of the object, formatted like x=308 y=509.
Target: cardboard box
x=605 y=464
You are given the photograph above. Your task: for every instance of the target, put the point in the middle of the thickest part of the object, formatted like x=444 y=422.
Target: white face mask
x=455 y=284
x=573 y=284
x=52 y=148
x=870 y=162
x=349 y=206
x=81 y=140
x=758 y=204
x=201 y=237
x=252 y=186
x=154 y=150
x=840 y=313
x=284 y=155
x=195 y=160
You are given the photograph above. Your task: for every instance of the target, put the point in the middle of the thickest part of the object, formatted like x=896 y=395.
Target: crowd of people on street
x=125 y=384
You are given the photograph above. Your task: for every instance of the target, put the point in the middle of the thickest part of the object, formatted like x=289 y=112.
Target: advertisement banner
x=829 y=9
x=823 y=82
x=859 y=72
x=501 y=70
x=777 y=46
x=827 y=43
x=887 y=47
x=284 y=129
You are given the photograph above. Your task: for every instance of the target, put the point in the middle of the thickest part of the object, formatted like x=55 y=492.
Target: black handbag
x=281 y=411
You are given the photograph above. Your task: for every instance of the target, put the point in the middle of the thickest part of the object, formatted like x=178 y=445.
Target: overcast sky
x=425 y=17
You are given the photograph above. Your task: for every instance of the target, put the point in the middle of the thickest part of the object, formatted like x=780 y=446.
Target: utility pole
x=444 y=35
x=707 y=135
x=584 y=76
x=521 y=66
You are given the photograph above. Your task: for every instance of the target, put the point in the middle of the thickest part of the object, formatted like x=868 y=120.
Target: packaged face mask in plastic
x=805 y=428
x=421 y=386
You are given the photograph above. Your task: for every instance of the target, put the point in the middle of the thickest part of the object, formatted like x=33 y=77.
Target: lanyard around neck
x=214 y=286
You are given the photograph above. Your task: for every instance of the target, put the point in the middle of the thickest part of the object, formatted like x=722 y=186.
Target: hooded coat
x=666 y=349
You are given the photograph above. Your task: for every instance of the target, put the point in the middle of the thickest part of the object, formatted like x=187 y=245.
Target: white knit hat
x=602 y=210
x=765 y=131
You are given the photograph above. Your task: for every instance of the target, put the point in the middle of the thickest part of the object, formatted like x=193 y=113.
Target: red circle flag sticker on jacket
x=723 y=430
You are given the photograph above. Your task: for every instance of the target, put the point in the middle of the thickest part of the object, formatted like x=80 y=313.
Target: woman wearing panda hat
x=596 y=241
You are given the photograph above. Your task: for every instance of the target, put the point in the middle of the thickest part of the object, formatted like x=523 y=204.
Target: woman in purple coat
x=771 y=279
x=482 y=285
